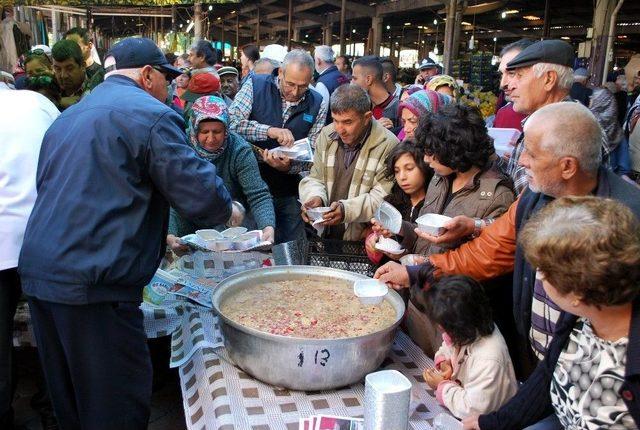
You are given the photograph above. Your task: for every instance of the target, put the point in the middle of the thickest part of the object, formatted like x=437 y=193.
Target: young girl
x=412 y=175
x=473 y=373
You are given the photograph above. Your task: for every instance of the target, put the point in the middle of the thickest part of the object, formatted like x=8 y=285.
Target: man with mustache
x=70 y=72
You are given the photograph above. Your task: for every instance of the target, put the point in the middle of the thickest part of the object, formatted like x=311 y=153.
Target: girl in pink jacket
x=473 y=373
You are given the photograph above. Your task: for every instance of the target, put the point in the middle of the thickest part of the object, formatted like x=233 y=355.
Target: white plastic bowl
x=389 y=245
x=209 y=234
x=233 y=232
x=433 y=224
x=389 y=217
x=247 y=240
x=370 y=291
x=315 y=214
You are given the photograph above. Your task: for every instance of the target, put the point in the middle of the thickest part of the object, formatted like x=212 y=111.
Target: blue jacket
x=109 y=168
x=267 y=109
x=332 y=78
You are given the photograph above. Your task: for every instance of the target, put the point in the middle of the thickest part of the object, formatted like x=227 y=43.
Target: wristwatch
x=477 y=227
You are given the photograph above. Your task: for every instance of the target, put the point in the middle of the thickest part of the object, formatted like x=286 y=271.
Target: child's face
x=408 y=175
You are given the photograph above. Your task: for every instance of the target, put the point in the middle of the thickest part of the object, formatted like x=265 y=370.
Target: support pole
x=237 y=37
x=290 y=35
x=326 y=34
x=258 y=28
x=612 y=35
x=343 y=15
x=197 y=20
x=174 y=14
x=222 y=39
x=55 y=26
x=376 y=25
x=546 y=27
x=455 y=44
x=602 y=16
x=448 y=36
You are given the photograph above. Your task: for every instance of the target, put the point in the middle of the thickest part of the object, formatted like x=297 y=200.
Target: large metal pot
x=298 y=363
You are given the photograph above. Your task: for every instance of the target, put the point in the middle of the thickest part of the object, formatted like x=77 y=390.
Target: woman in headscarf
x=444 y=84
x=210 y=137
x=416 y=106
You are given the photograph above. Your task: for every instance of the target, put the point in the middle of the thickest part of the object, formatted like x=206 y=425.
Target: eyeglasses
x=161 y=70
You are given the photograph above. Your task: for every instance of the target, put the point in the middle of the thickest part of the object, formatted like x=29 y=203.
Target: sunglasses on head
x=37 y=51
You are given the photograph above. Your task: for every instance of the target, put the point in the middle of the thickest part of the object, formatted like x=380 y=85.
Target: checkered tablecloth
x=219 y=396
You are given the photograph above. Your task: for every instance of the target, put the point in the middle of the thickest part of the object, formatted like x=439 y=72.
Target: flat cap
x=227 y=70
x=546 y=51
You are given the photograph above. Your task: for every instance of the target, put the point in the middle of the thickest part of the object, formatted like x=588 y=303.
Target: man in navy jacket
x=109 y=169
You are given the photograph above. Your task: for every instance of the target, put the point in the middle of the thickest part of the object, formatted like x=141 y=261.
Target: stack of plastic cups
x=386 y=401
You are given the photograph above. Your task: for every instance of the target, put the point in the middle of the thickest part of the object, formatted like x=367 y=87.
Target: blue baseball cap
x=135 y=52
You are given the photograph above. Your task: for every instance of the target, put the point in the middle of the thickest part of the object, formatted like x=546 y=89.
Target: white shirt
x=322 y=89
x=26 y=116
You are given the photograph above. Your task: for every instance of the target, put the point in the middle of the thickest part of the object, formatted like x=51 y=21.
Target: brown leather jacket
x=488 y=195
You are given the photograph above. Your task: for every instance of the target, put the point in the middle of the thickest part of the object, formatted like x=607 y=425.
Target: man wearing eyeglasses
x=277 y=110
x=108 y=169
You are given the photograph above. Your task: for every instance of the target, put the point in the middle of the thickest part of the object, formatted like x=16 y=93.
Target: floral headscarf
x=442 y=80
x=207 y=107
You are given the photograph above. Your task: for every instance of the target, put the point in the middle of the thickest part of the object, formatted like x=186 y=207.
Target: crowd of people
x=528 y=302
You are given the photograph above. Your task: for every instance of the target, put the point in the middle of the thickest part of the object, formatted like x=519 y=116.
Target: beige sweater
x=483 y=378
x=369 y=184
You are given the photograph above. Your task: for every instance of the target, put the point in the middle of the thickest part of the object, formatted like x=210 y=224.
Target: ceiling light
x=466 y=23
x=420 y=27
x=219 y=18
x=512 y=11
x=407 y=23
x=565 y=38
x=532 y=18
x=210 y=8
x=233 y=11
x=306 y=36
x=435 y=22
x=388 y=27
x=353 y=31
x=495 y=39
x=503 y=15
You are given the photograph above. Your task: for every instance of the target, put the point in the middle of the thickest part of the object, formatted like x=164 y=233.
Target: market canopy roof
x=94 y=3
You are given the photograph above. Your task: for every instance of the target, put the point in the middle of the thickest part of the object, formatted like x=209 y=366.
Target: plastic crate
x=339 y=254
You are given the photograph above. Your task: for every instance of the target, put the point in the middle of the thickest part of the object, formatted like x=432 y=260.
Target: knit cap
x=422 y=102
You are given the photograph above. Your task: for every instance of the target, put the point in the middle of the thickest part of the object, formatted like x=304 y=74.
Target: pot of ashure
x=294 y=362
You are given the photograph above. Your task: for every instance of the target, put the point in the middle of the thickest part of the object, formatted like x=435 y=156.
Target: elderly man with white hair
x=558 y=161
x=329 y=77
x=542 y=75
x=286 y=110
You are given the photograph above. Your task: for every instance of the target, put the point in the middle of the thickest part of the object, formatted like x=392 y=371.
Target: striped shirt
x=514 y=169
x=544 y=317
